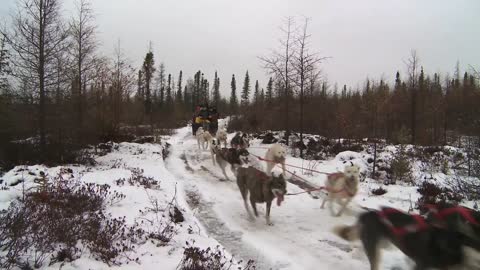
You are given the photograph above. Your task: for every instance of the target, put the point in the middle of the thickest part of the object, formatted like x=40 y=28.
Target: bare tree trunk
x=41 y=77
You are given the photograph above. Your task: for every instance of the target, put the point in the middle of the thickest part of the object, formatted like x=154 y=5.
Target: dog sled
x=205 y=117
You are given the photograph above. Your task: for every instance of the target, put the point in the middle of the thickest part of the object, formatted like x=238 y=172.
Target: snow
x=301 y=237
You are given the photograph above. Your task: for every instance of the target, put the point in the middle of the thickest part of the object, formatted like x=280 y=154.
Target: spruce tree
x=233 y=95
x=169 y=98
x=245 y=91
x=216 y=90
x=178 y=97
x=148 y=69
x=256 y=95
x=161 y=84
x=269 y=94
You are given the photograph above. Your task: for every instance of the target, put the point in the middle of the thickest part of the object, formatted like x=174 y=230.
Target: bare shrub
x=51 y=221
x=195 y=258
x=138 y=179
x=162 y=225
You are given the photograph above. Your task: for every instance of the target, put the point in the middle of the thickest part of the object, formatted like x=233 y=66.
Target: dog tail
x=349 y=233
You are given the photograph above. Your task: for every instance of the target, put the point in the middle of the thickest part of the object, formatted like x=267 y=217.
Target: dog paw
x=269 y=223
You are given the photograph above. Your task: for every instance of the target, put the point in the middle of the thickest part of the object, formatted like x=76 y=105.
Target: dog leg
x=370 y=244
x=213 y=156
x=245 y=203
x=270 y=166
x=254 y=205
x=330 y=205
x=224 y=172
x=325 y=199
x=267 y=215
x=344 y=206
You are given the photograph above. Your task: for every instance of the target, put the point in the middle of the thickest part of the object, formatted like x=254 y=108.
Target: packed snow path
x=301 y=237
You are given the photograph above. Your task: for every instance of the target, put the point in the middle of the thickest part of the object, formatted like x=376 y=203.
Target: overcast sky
x=363 y=37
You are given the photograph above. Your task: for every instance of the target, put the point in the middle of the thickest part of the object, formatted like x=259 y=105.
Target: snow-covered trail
x=301 y=237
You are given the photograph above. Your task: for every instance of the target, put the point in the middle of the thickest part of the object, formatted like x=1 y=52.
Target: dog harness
x=466 y=213
x=418 y=225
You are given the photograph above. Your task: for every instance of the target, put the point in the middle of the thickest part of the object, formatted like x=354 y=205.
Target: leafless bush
x=138 y=179
x=162 y=225
x=52 y=220
x=195 y=258
x=466 y=186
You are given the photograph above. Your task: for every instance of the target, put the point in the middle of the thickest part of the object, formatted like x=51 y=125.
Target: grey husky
x=258 y=187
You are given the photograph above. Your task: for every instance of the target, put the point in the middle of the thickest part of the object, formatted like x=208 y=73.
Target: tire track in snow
x=216 y=228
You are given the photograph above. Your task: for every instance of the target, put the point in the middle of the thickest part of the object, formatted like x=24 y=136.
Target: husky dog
x=427 y=245
x=232 y=156
x=260 y=188
x=458 y=218
x=342 y=187
x=203 y=138
x=240 y=141
x=222 y=136
x=276 y=154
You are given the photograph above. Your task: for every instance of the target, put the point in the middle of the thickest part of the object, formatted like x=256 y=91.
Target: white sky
x=363 y=37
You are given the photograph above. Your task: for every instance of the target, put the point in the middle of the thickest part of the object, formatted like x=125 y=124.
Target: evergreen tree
x=179 y=97
x=233 y=95
x=216 y=90
x=262 y=98
x=187 y=98
x=256 y=94
x=148 y=69
x=245 y=91
x=169 y=98
x=161 y=80
x=269 y=94
x=398 y=82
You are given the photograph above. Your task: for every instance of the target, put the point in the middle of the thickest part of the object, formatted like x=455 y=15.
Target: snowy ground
x=301 y=237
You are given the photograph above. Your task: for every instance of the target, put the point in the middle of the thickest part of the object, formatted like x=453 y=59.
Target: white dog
x=203 y=138
x=222 y=136
x=342 y=187
x=276 y=154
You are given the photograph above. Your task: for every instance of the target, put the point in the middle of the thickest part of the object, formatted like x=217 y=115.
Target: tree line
x=60 y=93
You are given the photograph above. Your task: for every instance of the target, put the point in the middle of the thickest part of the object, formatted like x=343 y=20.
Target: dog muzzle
x=279 y=194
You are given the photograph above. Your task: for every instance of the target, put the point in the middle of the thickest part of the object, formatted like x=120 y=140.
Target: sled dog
x=427 y=245
x=276 y=154
x=232 y=156
x=342 y=187
x=258 y=187
x=222 y=136
x=240 y=141
x=204 y=138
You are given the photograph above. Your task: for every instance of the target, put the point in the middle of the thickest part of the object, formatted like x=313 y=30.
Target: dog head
x=278 y=186
x=279 y=152
x=199 y=131
x=243 y=155
x=352 y=172
x=245 y=140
